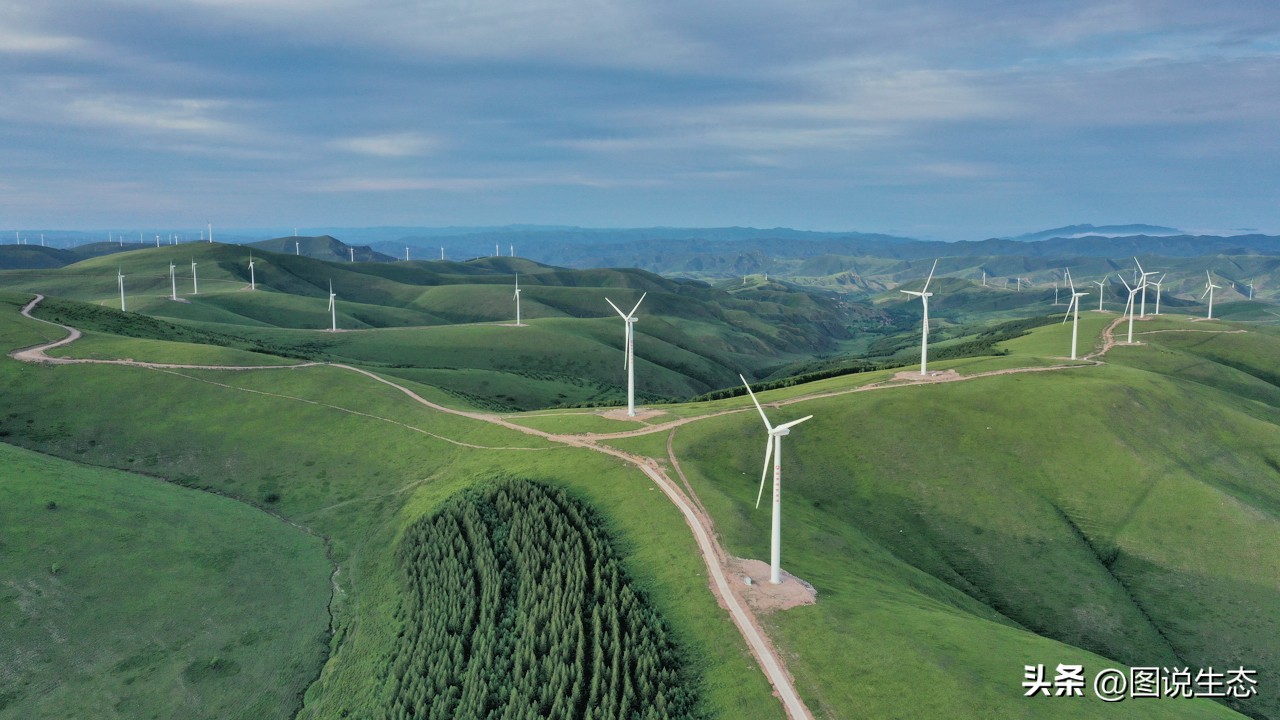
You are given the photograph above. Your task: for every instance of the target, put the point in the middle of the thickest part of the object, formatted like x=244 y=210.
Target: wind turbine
x=120 y=282
x=1133 y=293
x=406 y=253
x=773 y=450
x=353 y=254
x=253 y=285
x=517 y=299
x=442 y=253
x=512 y=248
x=1101 y=284
x=297 y=247
x=333 y=310
x=1159 y=283
x=924 y=296
x=1250 y=289
x=173 y=281
x=195 y=284
x=629 y=358
x=1142 y=278
x=211 y=233
x=1074 y=305
x=1208 y=290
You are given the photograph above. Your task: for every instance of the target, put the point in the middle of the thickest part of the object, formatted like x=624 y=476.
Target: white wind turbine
x=773 y=450
x=1142 y=280
x=1159 y=285
x=629 y=357
x=1208 y=290
x=1074 y=307
x=1250 y=289
x=195 y=284
x=120 y=282
x=297 y=247
x=924 y=296
x=1101 y=284
x=333 y=309
x=173 y=281
x=253 y=284
x=1133 y=293
x=517 y=299
x=353 y=254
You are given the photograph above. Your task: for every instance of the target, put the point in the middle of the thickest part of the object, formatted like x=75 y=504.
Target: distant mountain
x=1077 y=231
x=322 y=247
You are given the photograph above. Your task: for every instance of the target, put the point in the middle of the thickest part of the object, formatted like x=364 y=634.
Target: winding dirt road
x=717 y=561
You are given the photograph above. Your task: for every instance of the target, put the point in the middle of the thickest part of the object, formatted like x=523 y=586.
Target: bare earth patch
x=763 y=596
x=641 y=414
x=932 y=376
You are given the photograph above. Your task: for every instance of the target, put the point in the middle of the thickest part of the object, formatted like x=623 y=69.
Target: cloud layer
x=912 y=116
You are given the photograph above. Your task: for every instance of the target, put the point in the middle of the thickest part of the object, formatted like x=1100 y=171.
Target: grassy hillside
x=122 y=596
x=964 y=529
x=354 y=461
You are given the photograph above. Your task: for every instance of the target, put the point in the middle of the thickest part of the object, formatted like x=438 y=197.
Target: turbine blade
x=757 y=403
x=930 y=278
x=768 y=455
x=793 y=423
x=637 y=307
x=1135 y=262
x=1206 y=291
x=615 y=308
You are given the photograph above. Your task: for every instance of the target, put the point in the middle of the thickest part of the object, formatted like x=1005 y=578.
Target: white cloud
x=394 y=145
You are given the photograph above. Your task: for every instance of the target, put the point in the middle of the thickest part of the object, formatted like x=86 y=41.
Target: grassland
x=355 y=462
x=122 y=596
x=954 y=531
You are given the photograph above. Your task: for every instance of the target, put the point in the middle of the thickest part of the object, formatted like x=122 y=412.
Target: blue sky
x=928 y=118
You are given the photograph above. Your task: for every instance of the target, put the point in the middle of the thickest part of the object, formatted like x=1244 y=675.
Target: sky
x=926 y=118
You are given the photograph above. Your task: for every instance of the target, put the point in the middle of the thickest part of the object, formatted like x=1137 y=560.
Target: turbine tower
x=353 y=254
x=1133 y=293
x=253 y=285
x=1142 y=285
x=629 y=357
x=924 y=296
x=333 y=310
x=173 y=281
x=1159 y=285
x=297 y=247
x=1250 y=289
x=210 y=232
x=120 y=282
x=1208 y=290
x=1073 y=311
x=1101 y=284
x=517 y=299
x=195 y=284
x=773 y=450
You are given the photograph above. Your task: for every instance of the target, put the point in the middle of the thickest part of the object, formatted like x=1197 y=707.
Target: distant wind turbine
x=120 y=282
x=517 y=299
x=1159 y=290
x=924 y=296
x=512 y=249
x=333 y=309
x=1250 y=289
x=297 y=247
x=253 y=284
x=1101 y=285
x=629 y=359
x=1208 y=290
x=1129 y=308
x=173 y=281
x=210 y=232
x=773 y=450
x=406 y=253
x=442 y=253
x=195 y=284
x=353 y=254
x=1142 y=280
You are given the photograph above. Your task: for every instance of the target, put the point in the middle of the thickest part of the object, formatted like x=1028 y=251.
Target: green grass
x=114 y=347
x=350 y=459
x=122 y=596
x=963 y=529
